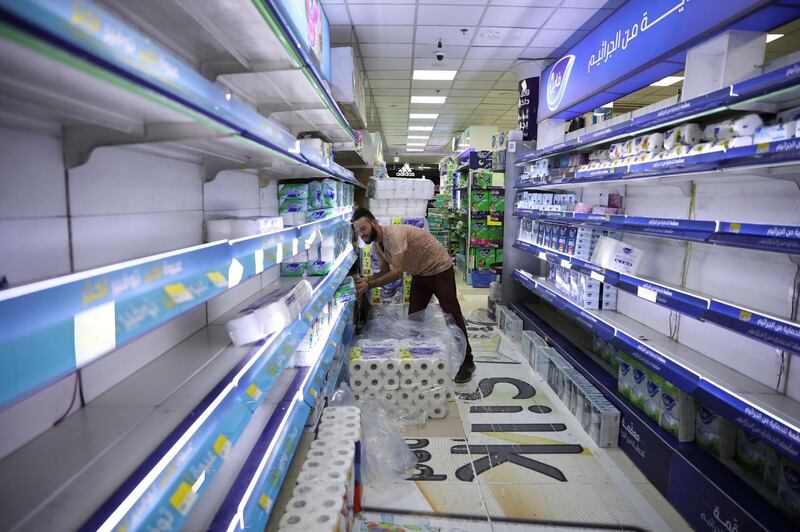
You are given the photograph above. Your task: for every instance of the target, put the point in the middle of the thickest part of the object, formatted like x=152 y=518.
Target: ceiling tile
x=450 y=35
x=389 y=74
x=462 y=16
x=337 y=14
x=390 y=15
x=474 y=84
x=389 y=83
x=517 y=17
x=431 y=84
x=390 y=92
x=465 y=99
x=341 y=34
x=509 y=76
x=454 y=2
x=507 y=85
x=494 y=52
x=526 y=3
x=385 y=34
x=381 y=98
x=478 y=75
x=584 y=3
x=387 y=63
x=468 y=93
x=382 y=2
x=451 y=52
x=494 y=36
x=487 y=64
x=536 y=52
x=550 y=38
x=570 y=18
x=385 y=50
x=429 y=63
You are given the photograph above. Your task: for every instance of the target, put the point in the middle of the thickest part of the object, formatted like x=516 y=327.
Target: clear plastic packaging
x=405 y=367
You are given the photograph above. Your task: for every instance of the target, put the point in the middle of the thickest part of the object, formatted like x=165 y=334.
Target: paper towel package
x=269 y=314
x=775 y=132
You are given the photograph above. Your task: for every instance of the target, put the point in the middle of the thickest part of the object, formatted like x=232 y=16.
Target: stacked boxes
x=599 y=418
x=546 y=201
x=311 y=201
x=392 y=197
x=582 y=290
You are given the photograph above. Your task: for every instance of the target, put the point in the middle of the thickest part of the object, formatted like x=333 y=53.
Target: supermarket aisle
x=509 y=454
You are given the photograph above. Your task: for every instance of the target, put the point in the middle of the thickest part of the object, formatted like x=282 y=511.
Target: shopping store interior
x=392 y=265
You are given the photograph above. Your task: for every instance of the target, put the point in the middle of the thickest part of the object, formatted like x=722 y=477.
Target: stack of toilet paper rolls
x=328 y=490
x=269 y=314
x=409 y=378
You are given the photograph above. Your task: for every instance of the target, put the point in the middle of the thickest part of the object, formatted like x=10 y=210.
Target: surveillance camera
x=439 y=56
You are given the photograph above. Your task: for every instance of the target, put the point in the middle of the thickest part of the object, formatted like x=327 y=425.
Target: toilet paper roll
x=388 y=397
x=437 y=397
x=358 y=384
x=424 y=365
x=407 y=368
x=357 y=396
x=296 y=521
x=404 y=395
x=317 y=454
x=358 y=367
x=408 y=381
x=343 y=449
x=420 y=398
x=390 y=367
x=324 y=521
x=719 y=131
x=747 y=125
x=653 y=142
x=273 y=316
x=738 y=142
x=437 y=412
x=321 y=475
x=390 y=382
x=244 y=329
x=438 y=381
x=349 y=410
x=374 y=381
x=314 y=464
x=406 y=406
x=373 y=366
x=423 y=382
x=301 y=504
x=341 y=418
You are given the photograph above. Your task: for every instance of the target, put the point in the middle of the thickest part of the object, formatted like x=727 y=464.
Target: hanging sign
x=634 y=37
x=527 y=107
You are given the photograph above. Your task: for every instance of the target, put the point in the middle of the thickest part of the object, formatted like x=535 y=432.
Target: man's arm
x=388 y=276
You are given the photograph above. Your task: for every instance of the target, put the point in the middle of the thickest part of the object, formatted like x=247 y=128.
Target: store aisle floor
x=510 y=456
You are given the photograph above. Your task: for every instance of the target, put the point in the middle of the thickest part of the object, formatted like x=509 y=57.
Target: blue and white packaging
x=751 y=452
x=775 y=132
x=714 y=434
x=677 y=412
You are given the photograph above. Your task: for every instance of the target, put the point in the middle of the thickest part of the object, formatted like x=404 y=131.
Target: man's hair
x=361 y=212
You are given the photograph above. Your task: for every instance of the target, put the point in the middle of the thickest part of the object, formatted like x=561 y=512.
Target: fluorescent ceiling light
x=436 y=75
x=418 y=137
x=431 y=99
x=413 y=149
x=420 y=128
x=416 y=143
x=770 y=37
x=432 y=116
x=666 y=82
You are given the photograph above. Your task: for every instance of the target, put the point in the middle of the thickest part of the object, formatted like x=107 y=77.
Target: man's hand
x=362 y=285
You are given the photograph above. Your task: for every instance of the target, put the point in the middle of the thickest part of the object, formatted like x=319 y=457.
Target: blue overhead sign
x=634 y=38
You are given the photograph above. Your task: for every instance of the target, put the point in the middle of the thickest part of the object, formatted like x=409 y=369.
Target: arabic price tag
x=178 y=293
x=218 y=279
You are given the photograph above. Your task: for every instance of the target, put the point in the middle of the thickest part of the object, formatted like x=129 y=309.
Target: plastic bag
x=387 y=458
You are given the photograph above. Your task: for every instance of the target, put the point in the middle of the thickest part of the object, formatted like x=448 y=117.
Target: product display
x=233 y=228
x=269 y=314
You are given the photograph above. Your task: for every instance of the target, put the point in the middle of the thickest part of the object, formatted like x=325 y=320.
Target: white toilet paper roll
x=321 y=475
x=357 y=396
x=439 y=365
x=244 y=329
x=374 y=381
x=408 y=381
x=273 y=316
x=690 y=134
x=358 y=384
x=296 y=521
x=389 y=367
x=390 y=382
x=314 y=464
x=388 y=397
x=358 y=367
x=344 y=450
x=739 y=142
x=301 y=504
x=349 y=410
x=373 y=365
x=424 y=366
x=324 y=521
x=719 y=131
x=423 y=382
x=420 y=398
x=406 y=406
x=317 y=454
x=653 y=142
x=407 y=367
x=404 y=395
x=437 y=397
x=438 y=381
x=437 y=412
x=747 y=124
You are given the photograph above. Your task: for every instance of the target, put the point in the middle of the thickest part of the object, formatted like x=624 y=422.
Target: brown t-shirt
x=424 y=255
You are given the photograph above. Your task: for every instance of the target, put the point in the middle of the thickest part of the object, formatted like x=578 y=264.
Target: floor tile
x=426 y=497
x=448 y=427
x=439 y=463
x=388 y=522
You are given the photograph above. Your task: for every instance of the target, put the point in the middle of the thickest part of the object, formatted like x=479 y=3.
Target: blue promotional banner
x=780 y=238
x=773 y=331
x=651 y=454
x=696 y=230
x=634 y=37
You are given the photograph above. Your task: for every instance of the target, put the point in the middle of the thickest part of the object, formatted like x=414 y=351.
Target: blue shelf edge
x=694 y=482
x=222 y=415
x=764 y=237
x=737 y=93
x=770 y=330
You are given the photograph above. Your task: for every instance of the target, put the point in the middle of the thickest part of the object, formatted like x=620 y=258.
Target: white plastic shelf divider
x=748 y=403
x=764 y=237
x=756 y=325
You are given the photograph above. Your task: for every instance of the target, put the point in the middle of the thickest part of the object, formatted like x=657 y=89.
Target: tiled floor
x=509 y=456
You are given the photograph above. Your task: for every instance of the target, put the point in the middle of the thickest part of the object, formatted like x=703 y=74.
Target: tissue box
x=498 y=256
x=318 y=267
x=617 y=255
x=625 y=376
x=495 y=233
x=293 y=269
x=789 y=487
x=327 y=194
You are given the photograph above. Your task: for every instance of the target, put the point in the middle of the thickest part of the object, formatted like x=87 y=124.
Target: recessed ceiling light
x=420 y=128
x=432 y=116
x=436 y=75
x=773 y=36
x=413 y=149
x=666 y=82
x=428 y=99
x=416 y=143
x=418 y=137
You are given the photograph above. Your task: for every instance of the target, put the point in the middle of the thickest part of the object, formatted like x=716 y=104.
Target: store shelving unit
x=132 y=92
x=231 y=85
x=753 y=406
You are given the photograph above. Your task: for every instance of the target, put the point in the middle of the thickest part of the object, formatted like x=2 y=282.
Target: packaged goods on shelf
x=751 y=452
x=530 y=342
x=513 y=327
x=317 y=149
x=617 y=255
x=292 y=190
x=269 y=314
x=400 y=188
x=293 y=211
x=715 y=434
x=775 y=132
x=346 y=290
x=677 y=412
x=295 y=266
x=788 y=488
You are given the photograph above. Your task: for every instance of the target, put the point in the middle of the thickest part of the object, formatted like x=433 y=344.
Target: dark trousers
x=443 y=286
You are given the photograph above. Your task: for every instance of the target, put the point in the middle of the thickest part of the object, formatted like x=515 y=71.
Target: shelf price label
x=178 y=293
